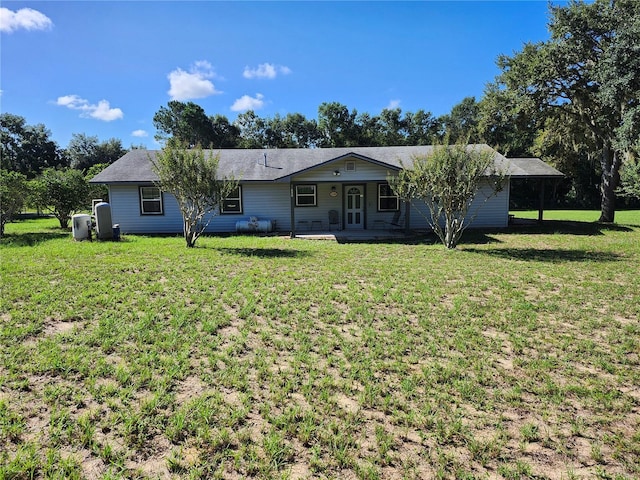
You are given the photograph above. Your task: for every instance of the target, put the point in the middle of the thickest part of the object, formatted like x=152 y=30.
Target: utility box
x=104 y=227
x=81 y=226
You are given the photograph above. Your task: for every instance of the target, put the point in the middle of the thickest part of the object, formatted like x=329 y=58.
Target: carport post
x=541 y=204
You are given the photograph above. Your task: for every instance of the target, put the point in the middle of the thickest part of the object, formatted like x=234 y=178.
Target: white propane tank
x=104 y=227
x=254 y=225
x=80 y=226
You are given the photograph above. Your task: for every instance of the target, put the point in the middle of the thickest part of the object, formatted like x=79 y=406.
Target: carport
x=535 y=169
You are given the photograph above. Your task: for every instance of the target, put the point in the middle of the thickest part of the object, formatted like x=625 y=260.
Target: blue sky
x=104 y=68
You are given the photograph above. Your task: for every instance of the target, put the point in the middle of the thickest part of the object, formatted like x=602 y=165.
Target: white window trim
x=153 y=199
x=380 y=196
x=238 y=198
x=314 y=195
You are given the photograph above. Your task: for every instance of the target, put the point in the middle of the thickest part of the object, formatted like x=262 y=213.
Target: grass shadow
x=484 y=236
x=264 y=252
x=31 y=239
x=568 y=227
x=423 y=239
x=476 y=237
x=551 y=255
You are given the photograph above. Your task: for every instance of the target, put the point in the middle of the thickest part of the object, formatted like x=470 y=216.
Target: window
x=387 y=200
x=233 y=203
x=150 y=201
x=306 y=196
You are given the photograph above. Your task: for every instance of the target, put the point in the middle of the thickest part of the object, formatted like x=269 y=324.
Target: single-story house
x=296 y=190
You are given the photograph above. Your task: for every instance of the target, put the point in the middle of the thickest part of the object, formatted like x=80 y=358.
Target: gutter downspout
x=293 y=224
x=407 y=217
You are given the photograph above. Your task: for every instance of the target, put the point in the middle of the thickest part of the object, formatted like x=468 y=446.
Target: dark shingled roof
x=249 y=165
x=532 y=168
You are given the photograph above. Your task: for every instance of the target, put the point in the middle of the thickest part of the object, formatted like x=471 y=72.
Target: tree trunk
x=63 y=220
x=450 y=234
x=188 y=233
x=610 y=163
x=188 y=236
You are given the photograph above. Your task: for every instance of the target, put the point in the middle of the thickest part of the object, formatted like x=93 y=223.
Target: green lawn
x=515 y=356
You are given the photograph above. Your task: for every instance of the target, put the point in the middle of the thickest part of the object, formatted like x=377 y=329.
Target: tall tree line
x=29 y=149
x=336 y=126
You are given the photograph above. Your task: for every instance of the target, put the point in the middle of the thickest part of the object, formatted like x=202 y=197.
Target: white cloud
x=139 y=133
x=266 y=70
x=192 y=84
x=393 y=104
x=25 y=18
x=246 y=102
x=101 y=111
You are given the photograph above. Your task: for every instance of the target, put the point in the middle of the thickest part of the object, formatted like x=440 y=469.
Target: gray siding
x=265 y=201
x=492 y=213
x=305 y=216
x=272 y=201
x=125 y=211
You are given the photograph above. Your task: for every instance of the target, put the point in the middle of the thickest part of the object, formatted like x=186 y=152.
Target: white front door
x=354 y=206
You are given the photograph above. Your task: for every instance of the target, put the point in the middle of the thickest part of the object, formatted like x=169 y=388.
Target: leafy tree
x=393 y=128
x=588 y=73
x=337 y=126
x=85 y=151
x=560 y=143
x=63 y=192
x=97 y=190
x=27 y=148
x=13 y=195
x=225 y=134
x=504 y=125
x=252 y=130
x=367 y=131
x=183 y=124
x=108 y=151
x=630 y=175
x=81 y=151
x=447 y=181
x=275 y=133
x=422 y=128
x=461 y=125
x=191 y=176
x=298 y=132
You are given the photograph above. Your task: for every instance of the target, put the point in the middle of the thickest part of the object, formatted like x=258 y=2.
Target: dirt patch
x=189 y=388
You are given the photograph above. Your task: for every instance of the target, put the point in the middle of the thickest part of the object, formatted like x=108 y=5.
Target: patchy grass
x=515 y=356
